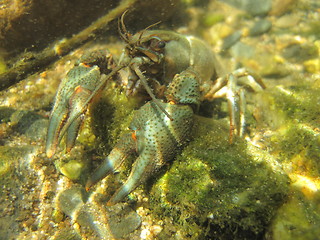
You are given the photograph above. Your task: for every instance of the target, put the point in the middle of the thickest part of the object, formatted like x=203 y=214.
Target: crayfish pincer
x=75 y=92
x=177 y=72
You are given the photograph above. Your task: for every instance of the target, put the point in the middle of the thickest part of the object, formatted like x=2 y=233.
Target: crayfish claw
x=113 y=161
x=70 y=105
x=57 y=120
x=141 y=170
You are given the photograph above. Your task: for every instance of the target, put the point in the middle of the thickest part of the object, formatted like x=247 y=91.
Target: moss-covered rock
x=294 y=118
x=295 y=139
x=219 y=190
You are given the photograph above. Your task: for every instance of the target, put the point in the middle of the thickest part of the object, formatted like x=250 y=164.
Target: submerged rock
x=297 y=219
x=254 y=7
x=71 y=200
x=10 y=158
x=73 y=169
x=260 y=27
x=122 y=220
x=242 y=51
x=300 y=52
x=232 y=39
x=93 y=221
x=94 y=218
x=214 y=188
x=67 y=234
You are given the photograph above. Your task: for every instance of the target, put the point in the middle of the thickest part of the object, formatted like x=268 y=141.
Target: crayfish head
x=142 y=44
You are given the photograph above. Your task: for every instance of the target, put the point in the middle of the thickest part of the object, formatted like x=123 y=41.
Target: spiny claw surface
x=67 y=113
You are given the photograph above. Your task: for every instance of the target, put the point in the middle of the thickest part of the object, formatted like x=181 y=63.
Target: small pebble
x=71 y=199
x=72 y=169
x=123 y=222
x=241 y=50
x=260 y=27
x=287 y=21
x=231 y=40
x=37 y=130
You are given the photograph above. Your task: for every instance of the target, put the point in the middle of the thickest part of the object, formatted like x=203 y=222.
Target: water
x=262 y=186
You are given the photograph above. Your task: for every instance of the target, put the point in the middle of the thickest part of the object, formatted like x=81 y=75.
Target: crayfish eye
x=161 y=44
x=156 y=44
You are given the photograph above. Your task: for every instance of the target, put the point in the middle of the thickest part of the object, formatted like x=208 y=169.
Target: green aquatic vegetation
x=214 y=188
x=296 y=144
x=299 y=102
x=298 y=137
x=112 y=114
x=298 y=141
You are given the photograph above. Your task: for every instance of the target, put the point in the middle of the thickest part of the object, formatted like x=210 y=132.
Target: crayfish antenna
x=122 y=28
x=125 y=35
x=143 y=31
x=148 y=89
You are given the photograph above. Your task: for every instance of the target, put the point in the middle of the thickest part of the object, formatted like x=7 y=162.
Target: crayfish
x=178 y=72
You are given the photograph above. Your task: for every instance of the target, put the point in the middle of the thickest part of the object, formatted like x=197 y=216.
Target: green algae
x=214 y=189
x=5 y=114
x=111 y=116
x=297 y=136
x=295 y=142
x=299 y=102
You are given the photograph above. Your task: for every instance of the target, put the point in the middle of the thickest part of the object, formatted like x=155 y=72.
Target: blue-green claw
x=70 y=106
